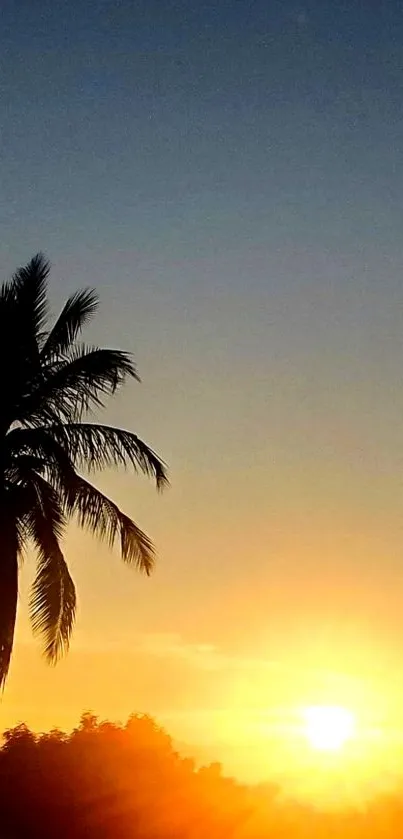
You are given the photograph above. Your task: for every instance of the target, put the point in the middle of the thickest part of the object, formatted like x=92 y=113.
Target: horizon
x=332 y=793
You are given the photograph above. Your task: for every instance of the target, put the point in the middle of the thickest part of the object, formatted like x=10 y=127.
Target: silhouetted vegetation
x=128 y=782
x=50 y=382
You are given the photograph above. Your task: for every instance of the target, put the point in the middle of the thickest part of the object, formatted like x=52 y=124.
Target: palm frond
x=37 y=449
x=72 y=387
x=102 y=517
x=53 y=598
x=76 y=313
x=53 y=604
x=19 y=499
x=23 y=310
x=46 y=519
x=29 y=285
x=33 y=441
x=8 y=326
x=7 y=294
x=96 y=446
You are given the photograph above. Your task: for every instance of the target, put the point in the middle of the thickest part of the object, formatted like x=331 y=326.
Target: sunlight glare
x=328 y=728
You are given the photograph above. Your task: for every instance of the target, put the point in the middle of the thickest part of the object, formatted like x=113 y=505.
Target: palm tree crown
x=50 y=382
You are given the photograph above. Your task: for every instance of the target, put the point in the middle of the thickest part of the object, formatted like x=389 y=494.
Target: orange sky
x=279 y=582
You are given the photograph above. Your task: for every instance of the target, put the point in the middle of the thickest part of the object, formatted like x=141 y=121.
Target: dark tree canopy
x=51 y=383
x=108 y=781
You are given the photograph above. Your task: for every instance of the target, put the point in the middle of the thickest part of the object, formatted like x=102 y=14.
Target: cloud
x=172 y=645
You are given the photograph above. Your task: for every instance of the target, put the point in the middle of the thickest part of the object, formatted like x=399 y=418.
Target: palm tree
x=50 y=382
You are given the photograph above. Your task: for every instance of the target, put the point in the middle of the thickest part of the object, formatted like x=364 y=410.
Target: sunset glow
x=201 y=292
x=328 y=728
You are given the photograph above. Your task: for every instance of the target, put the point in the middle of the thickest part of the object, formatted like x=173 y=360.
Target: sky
x=229 y=177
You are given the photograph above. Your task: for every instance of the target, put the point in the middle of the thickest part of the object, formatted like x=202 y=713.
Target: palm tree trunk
x=8 y=585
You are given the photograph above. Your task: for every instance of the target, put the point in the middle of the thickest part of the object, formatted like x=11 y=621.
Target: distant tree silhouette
x=108 y=781
x=50 y=381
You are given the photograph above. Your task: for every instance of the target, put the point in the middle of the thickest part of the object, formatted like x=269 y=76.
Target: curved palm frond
x=7 y=298
x=53 y=597
x=53 y=604
x=45 y=517
x=74 y=494
x=8 y=321
x=97 y=513
x=29 y=285
x=22 y=469
x=37 y=448
x=23 y=308
x=76 y=385
x=98 y=446
x=76 y=313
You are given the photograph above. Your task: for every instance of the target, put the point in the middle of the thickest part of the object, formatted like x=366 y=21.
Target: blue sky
x=179 y=126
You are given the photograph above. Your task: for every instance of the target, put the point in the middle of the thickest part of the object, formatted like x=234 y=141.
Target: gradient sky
x=229 y=176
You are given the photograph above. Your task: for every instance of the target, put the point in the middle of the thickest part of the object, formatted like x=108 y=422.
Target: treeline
x=128 y=782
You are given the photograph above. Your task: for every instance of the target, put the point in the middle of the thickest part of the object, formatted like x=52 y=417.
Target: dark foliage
x=50 y=382
x=105 y=781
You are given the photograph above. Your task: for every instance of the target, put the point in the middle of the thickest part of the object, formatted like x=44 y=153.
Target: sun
x=328 y=727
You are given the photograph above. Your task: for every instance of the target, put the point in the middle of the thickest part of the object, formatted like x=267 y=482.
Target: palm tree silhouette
x=50 y=382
